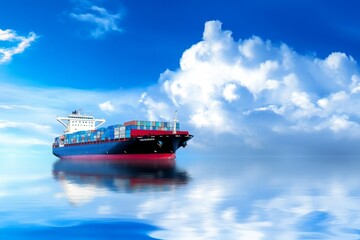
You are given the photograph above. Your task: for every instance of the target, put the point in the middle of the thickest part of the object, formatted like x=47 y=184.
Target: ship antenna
x=174 y=122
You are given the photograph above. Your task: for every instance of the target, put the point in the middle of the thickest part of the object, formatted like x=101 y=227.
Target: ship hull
x=137 y=150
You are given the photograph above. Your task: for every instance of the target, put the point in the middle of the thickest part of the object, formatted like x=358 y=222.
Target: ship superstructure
x=79 y=122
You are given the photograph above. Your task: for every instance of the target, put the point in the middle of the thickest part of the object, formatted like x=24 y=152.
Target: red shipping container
x=141 y=133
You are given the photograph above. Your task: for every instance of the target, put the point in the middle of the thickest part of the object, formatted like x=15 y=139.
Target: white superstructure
x=78 y=122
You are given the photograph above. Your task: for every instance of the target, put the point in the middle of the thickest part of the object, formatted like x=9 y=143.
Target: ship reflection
x=85 y=180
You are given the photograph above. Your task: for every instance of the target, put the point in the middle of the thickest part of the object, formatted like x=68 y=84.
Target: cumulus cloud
x=15 y=44
x=229 y=92
x=107 y=107
x=100 y=18
x=223 y=83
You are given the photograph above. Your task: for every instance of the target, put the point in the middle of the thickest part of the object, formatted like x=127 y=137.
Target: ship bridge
x=79 y=122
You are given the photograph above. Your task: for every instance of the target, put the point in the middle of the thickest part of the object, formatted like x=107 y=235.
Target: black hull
x=142 y=147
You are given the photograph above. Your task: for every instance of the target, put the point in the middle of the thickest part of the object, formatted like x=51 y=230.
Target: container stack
x=151 y=125
x=114 y=132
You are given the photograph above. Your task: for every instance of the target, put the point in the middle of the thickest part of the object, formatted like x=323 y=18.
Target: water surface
x=279 y=197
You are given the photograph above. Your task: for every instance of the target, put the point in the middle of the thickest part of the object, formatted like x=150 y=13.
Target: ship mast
x=174 y=122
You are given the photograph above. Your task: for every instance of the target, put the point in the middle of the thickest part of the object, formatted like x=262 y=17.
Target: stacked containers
x=80 y=136
x=101 y=134
x=149 y=125
x=68 y=138
x=117 y=131
x=128 y=130
x=122 y=131
x=93 y=134
x=110 y=132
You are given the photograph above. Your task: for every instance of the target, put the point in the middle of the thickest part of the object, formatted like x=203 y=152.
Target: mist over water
x=272 y=197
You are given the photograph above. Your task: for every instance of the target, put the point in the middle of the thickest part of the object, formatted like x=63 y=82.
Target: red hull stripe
x=119 y=157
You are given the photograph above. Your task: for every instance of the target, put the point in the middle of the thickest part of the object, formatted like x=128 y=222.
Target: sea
x=199 y=197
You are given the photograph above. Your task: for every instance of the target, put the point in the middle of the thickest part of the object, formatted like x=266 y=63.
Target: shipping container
x=114 y=126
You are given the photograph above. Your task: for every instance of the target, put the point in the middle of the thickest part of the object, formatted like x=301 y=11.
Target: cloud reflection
x=272 y=198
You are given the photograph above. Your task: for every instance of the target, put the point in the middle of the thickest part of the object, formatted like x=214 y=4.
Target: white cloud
x=355 y=85
x=305 y=108
x=155 y=109
x=222 y=82
x=229 y=92
x=18 y=44
x=99 y=17
x=339 y=123
x=107 y=107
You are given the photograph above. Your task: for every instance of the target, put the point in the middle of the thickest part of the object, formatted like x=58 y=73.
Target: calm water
x=201 y=198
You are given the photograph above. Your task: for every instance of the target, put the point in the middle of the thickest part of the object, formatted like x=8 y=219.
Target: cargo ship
x=134 y=141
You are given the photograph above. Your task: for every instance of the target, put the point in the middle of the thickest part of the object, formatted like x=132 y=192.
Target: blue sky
x=154 y=34
x=254 y=72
